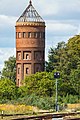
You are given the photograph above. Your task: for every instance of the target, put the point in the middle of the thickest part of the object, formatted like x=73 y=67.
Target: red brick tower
x=30 y=44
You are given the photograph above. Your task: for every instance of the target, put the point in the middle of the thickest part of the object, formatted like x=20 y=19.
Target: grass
x=17 y=109
x=11 y=109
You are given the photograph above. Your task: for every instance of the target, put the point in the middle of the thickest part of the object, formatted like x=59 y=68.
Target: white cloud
x=61 y=28
x=7 y=31
x=47 y=7
x=69 y=5
x=7 y=21
x=5 y=53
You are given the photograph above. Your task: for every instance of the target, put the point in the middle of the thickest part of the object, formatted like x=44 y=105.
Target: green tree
x=41 y=83
x=65 y=58
x=56 y=57
x=75 y=80
x=7 y=89
x=9 y=70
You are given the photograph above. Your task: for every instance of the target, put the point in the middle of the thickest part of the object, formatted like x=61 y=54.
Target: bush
x=7 y=90
x=40 y=102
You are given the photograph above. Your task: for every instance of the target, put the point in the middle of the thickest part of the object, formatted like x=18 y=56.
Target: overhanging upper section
x=30 y=15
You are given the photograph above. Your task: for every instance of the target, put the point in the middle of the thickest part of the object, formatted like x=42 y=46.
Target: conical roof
x=30 y=15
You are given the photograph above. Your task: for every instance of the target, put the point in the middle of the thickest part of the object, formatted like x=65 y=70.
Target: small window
x=19 y=35
x=29 y=34
x=35 y=35
x=18 y=70
x=37 y=69
x=36 y=56
x=40 y=35
x=19 y=56
x=32 y=34
x=24 y=34
x=27 y=56
x=43 y=34
x=18 y=82
x=27 y=70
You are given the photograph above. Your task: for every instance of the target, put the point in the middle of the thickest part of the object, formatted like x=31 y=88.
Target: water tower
x=30 y=44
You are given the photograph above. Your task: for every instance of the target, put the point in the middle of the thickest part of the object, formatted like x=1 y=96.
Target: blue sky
x=62 y=19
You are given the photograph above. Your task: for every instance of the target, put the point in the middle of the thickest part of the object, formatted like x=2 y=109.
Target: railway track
x=49 y=116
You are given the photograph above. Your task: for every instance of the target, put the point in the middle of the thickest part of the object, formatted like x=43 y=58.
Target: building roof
x=30 y=15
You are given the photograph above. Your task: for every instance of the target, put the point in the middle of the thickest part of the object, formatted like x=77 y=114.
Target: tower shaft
x=30 y=45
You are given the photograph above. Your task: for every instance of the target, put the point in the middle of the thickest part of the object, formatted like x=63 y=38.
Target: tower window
x=19 y=35
x=29 y=34
x=24 y=34
x=18 y=70
x=43 y=34
x=38 y=55
x=19 y=56
x=35 y=34
x=37 y=69
x=27 y=70
x=27 y=56
x=18 y=82
x=40 y=35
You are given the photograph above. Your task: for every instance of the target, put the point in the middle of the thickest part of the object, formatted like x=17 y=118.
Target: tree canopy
x=9 y=70
x=65 y=58
x=7 y=89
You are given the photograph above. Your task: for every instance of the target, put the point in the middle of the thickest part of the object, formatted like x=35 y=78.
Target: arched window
x=18 y=70
x=37 y=69
x=27 y=56
x=40 y=34
x=29 y=34
x=19 y=34
x=24 y=34
x=27 y=70
x=18 y=55
x=18 y=82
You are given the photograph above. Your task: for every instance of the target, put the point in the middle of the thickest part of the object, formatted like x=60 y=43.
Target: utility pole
x=56 y=76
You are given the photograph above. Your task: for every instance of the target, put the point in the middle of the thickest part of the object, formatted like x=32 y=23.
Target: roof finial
x=30 y=2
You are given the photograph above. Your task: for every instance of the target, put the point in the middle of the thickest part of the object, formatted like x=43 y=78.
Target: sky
x=62 y=18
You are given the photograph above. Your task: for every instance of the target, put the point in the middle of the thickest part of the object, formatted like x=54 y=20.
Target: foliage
x=9 y=70
x=54 y=57
x=65 y=58
x=41 y=83
x=39 y=101
x=7 y=90
x=69 y=99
